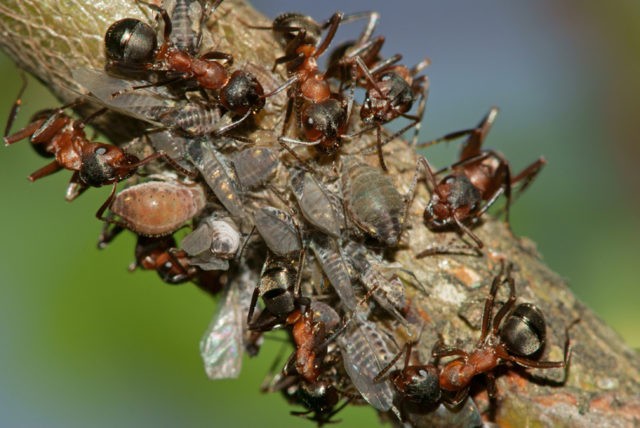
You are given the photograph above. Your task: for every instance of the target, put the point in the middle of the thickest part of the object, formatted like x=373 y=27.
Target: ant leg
x=488 y=305
x=164 y=82
x=164 y=156
x=16 y=106
x=230 y=126
x=283 y=142
x=528 y=174
x=48 y=169
x=75 y=188
x=334 y=23
x=108 y=234
x=446 y=138
x=26 y=132
x=406 y=348
x=379 y=147
x=252 y=305
x=465 y=230
x=472 y=146
x=504 y=310
x=217 y=55
x=107 y=204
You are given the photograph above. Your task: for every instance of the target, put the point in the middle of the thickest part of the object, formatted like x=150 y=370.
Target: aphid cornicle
x=156 y=208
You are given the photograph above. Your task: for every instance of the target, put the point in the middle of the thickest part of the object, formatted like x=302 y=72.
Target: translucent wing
x=222 y=345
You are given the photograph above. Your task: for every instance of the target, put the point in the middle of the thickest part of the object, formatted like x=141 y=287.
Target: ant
x=320 y=113
x=54 y=134
x=131 y=45
x=476 y=181
x=391 y=90
x=516 y=334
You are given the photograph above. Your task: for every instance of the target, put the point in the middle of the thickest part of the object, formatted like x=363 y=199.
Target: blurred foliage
x=85 y=343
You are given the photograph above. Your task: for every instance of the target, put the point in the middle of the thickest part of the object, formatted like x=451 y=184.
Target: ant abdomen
x=524 y=331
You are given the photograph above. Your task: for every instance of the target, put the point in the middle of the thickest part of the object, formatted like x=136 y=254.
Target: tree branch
x=50 y=38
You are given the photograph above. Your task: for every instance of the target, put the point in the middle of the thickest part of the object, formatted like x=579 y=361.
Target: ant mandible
x=476 y=181
x=516 y=334
x=53 y=133
x=131 y=45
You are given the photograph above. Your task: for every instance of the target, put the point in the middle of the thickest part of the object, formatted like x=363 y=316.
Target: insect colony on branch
x=262 y=227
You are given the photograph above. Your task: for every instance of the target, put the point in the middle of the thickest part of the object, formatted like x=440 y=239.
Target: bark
x=50 y=38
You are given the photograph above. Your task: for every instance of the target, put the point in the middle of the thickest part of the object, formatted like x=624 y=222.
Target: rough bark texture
x=49 y=38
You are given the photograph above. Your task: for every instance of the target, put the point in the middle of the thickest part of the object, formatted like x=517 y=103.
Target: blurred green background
x=85 y=343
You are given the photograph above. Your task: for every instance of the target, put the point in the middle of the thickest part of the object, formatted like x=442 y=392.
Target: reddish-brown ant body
x=516 y=334
x=474 y=184
x=320 y=113
x=54 y=134
x=131 y=45
x=391 y=90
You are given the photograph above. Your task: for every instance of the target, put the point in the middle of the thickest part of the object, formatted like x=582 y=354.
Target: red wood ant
x=131 y=45
x=474 y=184
x=52 y=133
x=391 y=90
x=516 y=334
x=321 y=114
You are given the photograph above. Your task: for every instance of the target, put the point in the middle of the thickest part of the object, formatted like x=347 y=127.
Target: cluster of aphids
x=294 y=229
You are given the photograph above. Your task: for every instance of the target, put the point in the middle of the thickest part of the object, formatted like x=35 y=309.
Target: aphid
x=315 y=204
x=365 y=353
x=474 y=184
x=218 y=237
x=222 y=344
x=332 y=262
x=384 y=285
x=155 y=208
x=54 y=134
x=373 y=203
x=187 y=17
x=516 y=334
x=218 y=174
x=131 y=45
x=278 y=230
x=254 y=166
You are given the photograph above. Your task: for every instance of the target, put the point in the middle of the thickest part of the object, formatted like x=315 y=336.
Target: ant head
x=392 y=97
x=105 y=164
x=130 y=42
x=455 y=196
x=420 y=384
x=524 y=331
x=324 y=120
x=242 y=93
x=289 y=26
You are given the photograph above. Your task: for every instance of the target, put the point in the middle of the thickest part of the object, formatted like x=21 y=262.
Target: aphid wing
x=144 y=104
x=335 y=268
x=361 y=349
x=222 y=345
